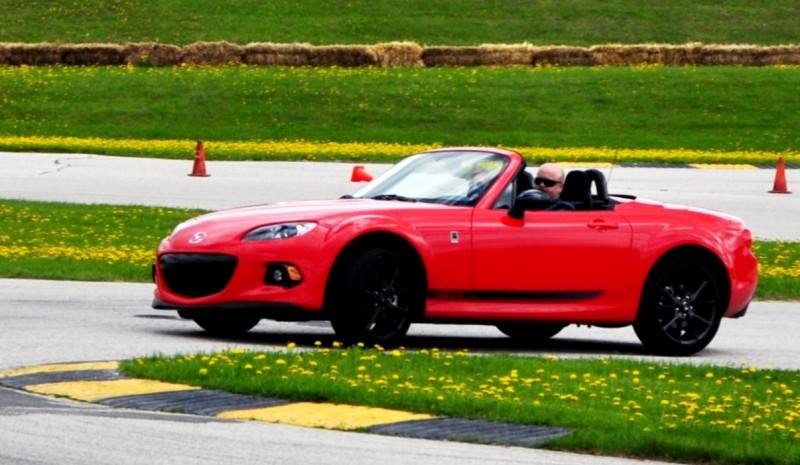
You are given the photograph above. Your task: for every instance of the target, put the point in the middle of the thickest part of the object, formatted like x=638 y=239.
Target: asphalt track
x=124 y=180
x=58 y=321
x=38 y=431
x=47 y=322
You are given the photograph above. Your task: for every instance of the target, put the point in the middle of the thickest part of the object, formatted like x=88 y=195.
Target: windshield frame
x=478 y=186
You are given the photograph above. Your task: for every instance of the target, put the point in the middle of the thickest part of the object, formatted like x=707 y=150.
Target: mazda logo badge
x=198 y=238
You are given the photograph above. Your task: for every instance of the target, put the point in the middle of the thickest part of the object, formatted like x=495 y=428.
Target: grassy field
x=682 y=413
x=118 y=243
x=82 y=242
x=645 y=108
x=580 y=22
x=306 y=150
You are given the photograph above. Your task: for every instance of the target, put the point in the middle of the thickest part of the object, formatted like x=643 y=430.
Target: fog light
x=282 y=274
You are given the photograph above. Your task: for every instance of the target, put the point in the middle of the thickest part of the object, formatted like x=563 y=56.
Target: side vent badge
x=454 y=237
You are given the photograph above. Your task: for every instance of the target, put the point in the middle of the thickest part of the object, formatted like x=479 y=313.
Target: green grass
x=779 y=269
x=658 y=108
x=82 y=242
x=118 y=243
x=688 y=413
x=578 y=22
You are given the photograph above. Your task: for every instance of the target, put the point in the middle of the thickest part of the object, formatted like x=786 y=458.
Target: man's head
x=550 y=179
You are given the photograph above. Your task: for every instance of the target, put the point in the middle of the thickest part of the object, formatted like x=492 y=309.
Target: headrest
x=576 y=190
x=597 y=178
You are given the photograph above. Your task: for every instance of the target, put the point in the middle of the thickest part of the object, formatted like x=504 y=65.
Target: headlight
x=279 y=231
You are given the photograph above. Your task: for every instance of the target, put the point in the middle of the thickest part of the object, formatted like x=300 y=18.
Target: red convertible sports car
x=459 y=235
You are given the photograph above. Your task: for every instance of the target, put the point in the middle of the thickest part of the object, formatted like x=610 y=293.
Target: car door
x=565 y=256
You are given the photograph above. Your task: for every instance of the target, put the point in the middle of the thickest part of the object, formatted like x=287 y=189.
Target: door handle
x=602 y=225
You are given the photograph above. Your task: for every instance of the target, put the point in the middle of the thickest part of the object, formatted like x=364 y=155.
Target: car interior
x=587 y=190
x=584 y=189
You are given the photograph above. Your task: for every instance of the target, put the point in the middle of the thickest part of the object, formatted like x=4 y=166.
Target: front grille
x=196 y=275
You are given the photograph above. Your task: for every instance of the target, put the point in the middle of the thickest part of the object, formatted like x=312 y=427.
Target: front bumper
x=744 y=281
x=280 y=311
x=244 y=285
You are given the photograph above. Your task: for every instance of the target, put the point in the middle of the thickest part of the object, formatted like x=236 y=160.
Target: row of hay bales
x=392 y=54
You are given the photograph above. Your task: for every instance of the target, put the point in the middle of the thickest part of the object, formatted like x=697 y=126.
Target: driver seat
x=524 y=181
x=577 y=190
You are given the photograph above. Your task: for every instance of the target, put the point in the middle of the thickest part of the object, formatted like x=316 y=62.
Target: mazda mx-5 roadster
x=460 y=235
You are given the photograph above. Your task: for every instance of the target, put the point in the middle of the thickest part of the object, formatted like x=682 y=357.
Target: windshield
x=450 y=178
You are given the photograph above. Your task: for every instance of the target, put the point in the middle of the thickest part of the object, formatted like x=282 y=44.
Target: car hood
x=228 y=224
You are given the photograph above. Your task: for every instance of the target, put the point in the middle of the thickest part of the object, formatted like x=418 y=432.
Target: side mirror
x=360 y=174
x=531 y=199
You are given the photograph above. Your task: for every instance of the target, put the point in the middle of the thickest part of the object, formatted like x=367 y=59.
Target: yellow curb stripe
x=330 y=416
x=59 y=368
x=719 y=166
x=91 y=391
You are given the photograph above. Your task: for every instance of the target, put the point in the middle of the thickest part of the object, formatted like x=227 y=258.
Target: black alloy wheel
x=530 y=333
x=681 y=308
x=225 y=324
x=376 y=299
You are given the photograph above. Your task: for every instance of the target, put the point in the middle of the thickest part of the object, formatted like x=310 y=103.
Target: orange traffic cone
x=199 y=168
x=780 y=179
x=360 y=175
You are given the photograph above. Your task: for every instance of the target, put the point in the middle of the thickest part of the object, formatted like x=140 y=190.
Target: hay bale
x=212 y=53
x=782 y=55
x=695 y=54
x=269 y=54
x=682 y=55
x=152 y=54
x=728 y=55
x=621 y=55
x=749 y=55
x=92 y=54
x=645 y=54
x=343 y=55
x=32 y=54
x=505 y=55
x=483 y=55
x=394 y=54
x=308 y=55
x=561 y=55
x=276 y=54
x=451 y=56
x=5 y=52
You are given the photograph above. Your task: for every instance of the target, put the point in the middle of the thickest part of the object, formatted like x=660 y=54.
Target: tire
x=681 y=308
x=376 y=298
x=530 y=332
x=226 y=325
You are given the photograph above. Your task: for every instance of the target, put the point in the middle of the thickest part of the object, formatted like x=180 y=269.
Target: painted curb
x=102 y=383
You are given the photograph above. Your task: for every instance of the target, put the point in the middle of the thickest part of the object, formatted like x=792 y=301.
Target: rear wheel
x=681 y=308
x=376 y=298
x=226 y=325
x=530 y=332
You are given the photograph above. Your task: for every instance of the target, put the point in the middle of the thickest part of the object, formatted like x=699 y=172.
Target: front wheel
x=376 y=298
x=226 y=325
x=681 y=308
